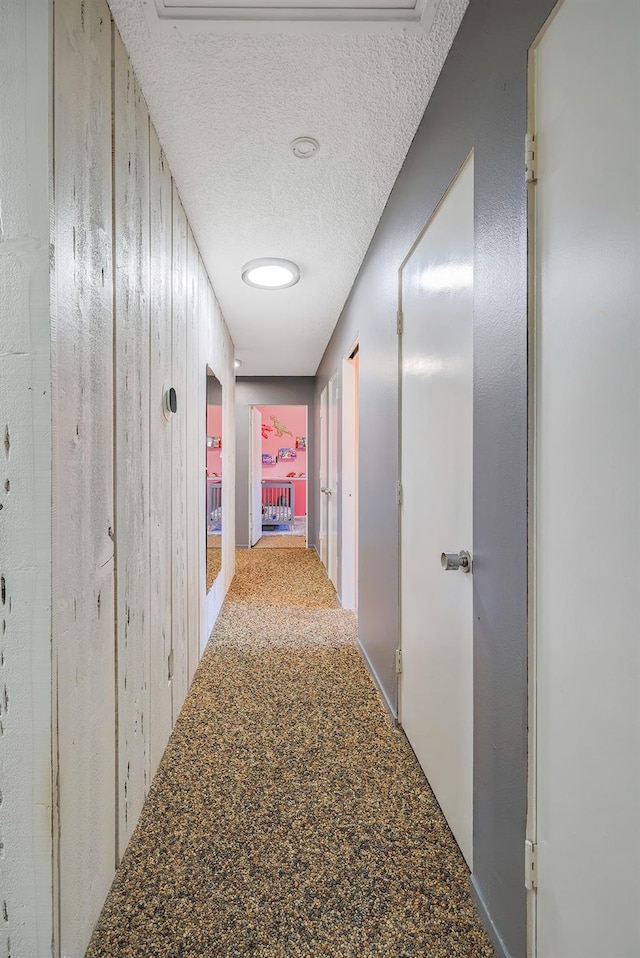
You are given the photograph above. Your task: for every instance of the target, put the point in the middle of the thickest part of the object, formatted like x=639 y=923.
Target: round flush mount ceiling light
x=237 y=363
x=304 y=147
x=269 y=273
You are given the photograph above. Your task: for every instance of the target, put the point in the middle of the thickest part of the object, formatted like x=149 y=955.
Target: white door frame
x=349 y=496
x=256 y=405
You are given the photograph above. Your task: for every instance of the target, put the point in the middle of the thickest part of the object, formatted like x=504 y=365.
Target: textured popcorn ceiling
x=226 y=107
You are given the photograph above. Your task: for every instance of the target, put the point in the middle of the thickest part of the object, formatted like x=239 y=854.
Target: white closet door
x=587 y=481
x=436 y=701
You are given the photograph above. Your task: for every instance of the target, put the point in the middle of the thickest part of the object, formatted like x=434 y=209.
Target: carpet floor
x=288 y=816
x=281 y=542
x=299 y=528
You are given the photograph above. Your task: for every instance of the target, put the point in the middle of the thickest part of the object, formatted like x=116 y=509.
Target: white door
x=436 y=684
x=332 y=481
x=255 y=476
x=349 y=499
x=586 y=86
x=322 y=535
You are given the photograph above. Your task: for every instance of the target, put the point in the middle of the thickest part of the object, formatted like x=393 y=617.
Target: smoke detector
x=304 y=147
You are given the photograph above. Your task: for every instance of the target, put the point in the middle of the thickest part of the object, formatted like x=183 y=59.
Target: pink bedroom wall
x=295 y=419
x=214 y=428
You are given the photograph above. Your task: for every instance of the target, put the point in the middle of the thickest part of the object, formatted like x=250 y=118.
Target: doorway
x=278 y=476
x=583 y=825
x=436 y=677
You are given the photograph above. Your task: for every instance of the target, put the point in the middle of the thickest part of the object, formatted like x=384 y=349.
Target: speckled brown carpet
x=288 y=816
x=281 y=542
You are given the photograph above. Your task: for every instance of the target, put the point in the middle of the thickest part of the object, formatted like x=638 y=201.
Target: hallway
x=288 y=815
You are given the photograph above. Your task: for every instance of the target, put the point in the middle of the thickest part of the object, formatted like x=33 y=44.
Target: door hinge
x=398 y=661
x=399 y=493
x=530 y=159
x=399 y=319
x=530 y=865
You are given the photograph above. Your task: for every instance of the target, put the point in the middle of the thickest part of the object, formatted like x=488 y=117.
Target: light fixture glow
x=237 y=363
x=269 y=273
x=447 y=277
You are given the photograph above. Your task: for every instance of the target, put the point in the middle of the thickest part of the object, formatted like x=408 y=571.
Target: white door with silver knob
x=436 y=681
x=332 y=480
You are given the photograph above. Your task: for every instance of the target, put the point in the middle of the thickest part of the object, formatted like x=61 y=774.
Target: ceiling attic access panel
x=290 y=16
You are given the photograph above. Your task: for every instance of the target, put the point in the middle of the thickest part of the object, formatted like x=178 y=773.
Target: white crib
x=214 y=505
x=278 y=503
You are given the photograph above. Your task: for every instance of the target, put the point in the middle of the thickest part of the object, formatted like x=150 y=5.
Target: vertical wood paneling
x=80 y=356
x=83 y=548
x=193 y=477
x=132 y=347
x=178 y=458
x=25 y=483
x=160 y=471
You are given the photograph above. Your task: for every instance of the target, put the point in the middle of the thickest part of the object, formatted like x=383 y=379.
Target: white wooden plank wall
x=180 y=680
x=83 y=528
x=25 y=483
x=160 y=439
x=193 y=489
x=132 y=347
x=124 y=312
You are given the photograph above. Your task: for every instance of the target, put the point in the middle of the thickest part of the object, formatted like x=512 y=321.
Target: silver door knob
x=451 y=561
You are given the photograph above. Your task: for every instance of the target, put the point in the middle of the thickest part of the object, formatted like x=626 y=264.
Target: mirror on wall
x=214 y=477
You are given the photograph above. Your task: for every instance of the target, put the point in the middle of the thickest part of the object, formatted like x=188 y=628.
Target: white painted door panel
x=332 y=481
x=349 y=476
x=323 y=478
x=437 y=434
x=256 y=475
x=587 y=204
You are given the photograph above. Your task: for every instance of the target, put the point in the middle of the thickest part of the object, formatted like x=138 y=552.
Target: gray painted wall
x=265 y=391
x=480 y=103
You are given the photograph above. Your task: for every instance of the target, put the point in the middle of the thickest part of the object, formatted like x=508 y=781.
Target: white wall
x=25 y=481
x=102 y=519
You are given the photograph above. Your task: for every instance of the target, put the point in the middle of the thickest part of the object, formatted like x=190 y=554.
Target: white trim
x=531 y=825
